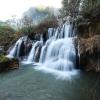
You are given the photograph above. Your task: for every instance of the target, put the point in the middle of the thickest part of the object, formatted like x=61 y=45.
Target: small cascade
x=44 y=50
x=51 y=32
x=16 y=49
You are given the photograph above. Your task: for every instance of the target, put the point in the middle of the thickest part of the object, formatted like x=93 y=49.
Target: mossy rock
x=4 y=59
x=8 y=64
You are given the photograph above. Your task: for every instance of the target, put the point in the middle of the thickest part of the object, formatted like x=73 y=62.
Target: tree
x=14 y=22
x=27 y=21
x=70 y=7
x=89 y=4
x=35 y=16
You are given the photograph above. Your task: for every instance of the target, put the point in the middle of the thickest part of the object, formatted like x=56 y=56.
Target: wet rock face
x=90 y=63
x=89 y=50
x=8 y=64
x=1 y=50
x=25 y=47
x=28 y=48
x=22 y=49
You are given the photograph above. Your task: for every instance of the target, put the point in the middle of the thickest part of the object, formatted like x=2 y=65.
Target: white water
x=58 y=55
x=34 y=51
x=16 y=49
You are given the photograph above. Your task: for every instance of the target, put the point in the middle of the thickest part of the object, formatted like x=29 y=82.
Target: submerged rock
x=8 y=64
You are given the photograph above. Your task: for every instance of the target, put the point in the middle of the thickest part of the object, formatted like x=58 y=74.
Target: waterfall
x=16 y=49
x=58 y=54
x=51 y=32
x=34 y=51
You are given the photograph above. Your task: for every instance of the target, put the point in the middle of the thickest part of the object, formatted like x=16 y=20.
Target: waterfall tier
x=16 y=49
x=58 y=53
x=35 y=51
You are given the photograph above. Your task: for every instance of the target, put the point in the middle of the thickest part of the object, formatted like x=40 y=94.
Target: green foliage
x=5 y=33
x=25 y=30
x=41 y=28
x=98 y=29
x=70 y=7
x=6 y=30
x=87 y=5
x=8 y=36
x=3 y=59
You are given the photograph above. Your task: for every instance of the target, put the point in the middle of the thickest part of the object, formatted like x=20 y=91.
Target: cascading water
x=58 y=54
x=34 y=51
x=16 y=49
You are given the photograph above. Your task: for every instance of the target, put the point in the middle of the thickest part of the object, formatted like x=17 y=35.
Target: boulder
x=8 y=64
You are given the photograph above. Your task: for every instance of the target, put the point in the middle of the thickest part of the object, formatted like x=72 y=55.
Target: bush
x=6 y=30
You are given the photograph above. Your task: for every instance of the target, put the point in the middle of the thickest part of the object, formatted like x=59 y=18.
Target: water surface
x=29 y=84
